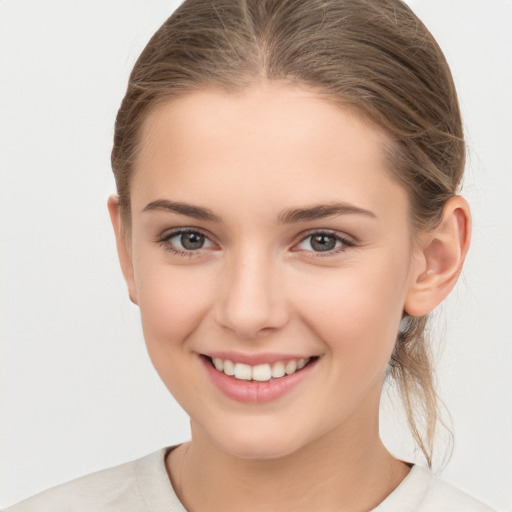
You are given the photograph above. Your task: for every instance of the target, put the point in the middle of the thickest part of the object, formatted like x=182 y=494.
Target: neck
x=333 y=473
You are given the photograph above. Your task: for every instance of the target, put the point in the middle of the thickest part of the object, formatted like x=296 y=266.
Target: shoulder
x=442 y=496
x=421 y=491
x=123 y=487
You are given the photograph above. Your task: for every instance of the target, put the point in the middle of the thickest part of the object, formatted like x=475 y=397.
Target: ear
x=440 y=257
x=123 y=248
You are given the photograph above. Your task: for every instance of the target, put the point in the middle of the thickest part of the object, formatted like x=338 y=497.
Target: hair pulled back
x=372 y=56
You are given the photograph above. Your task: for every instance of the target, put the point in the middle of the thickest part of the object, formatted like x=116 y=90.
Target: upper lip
x=255 y=359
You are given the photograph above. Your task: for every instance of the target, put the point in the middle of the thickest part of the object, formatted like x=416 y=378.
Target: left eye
x=322 y=242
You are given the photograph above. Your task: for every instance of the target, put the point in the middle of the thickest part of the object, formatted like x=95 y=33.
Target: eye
x=324 y=242
x=185 y=241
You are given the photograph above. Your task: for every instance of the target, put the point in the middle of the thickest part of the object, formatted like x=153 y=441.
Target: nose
x=251 y=302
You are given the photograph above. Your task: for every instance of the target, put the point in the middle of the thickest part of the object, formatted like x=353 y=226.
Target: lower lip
x=255 y=392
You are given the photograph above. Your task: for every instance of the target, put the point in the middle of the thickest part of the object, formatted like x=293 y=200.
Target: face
x=268 y=239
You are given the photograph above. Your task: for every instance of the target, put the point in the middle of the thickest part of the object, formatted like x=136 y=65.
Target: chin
x=258 y=442
x=248 y=449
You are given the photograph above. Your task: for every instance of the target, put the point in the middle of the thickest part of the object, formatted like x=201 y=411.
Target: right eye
x=185 y=241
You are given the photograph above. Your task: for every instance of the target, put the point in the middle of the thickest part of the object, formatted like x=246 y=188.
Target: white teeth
x=229 y=367
x=261 y=372
x=243 y=371
x=278 y=370
x=291 y=367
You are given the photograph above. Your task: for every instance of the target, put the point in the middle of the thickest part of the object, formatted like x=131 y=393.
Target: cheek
x=356 y=311
x=172 y=303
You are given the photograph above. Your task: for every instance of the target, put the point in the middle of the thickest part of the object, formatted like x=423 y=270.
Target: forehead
x=273 y=140
x=278 y=111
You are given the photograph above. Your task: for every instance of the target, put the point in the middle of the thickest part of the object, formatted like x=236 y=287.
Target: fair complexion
x=265 y=229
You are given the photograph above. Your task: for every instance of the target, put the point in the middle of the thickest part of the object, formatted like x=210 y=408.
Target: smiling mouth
x=262 y=372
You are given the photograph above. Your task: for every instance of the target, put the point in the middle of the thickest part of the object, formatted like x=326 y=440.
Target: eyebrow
x=321 y=211
x=182 y=208
x=289 y=216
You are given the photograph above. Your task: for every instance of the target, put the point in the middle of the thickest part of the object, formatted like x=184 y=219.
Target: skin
x=259 y=286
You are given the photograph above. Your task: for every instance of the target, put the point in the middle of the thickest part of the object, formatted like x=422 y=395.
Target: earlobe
x=123 y=249
x=440 y=259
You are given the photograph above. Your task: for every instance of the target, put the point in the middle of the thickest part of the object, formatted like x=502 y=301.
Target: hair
x=372 y=56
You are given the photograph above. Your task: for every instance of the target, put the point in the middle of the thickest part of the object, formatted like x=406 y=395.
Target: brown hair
x=374 y=56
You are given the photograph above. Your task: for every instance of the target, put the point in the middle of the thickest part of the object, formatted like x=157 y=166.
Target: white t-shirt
x=144 y=486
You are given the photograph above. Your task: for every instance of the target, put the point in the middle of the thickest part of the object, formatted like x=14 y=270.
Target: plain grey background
x=78 y=392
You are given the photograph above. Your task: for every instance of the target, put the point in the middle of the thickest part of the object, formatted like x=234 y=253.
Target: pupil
x=192 y=241
x=323 y=242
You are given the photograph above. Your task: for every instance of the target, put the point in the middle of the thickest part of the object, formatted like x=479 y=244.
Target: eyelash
x=346 y=243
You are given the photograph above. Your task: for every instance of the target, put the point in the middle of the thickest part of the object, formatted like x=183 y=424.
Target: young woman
x=287 y=217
